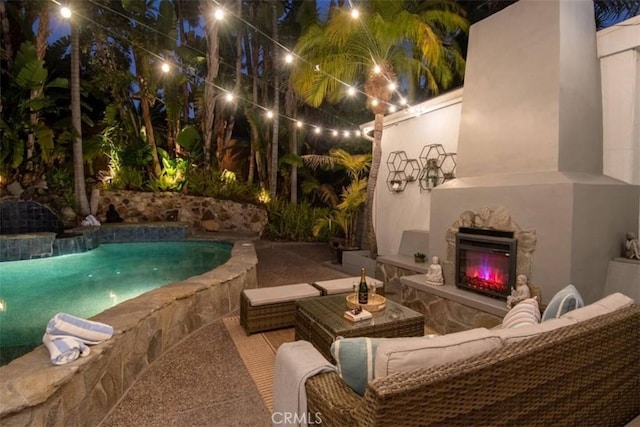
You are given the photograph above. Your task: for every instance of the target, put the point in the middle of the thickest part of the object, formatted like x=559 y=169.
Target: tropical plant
x=342 y=220
x=290 y=221
x=394 y=41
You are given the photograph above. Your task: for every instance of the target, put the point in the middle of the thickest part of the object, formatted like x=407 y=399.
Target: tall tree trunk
x=273 y=171
x=253 y=57
x=213 y=64
x=371 y=182
x=76 y=120
x=290 y=108
x=151 y=139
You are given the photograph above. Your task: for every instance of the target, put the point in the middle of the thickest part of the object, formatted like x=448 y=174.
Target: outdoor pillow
x=525 y=313
x=355 y=359
x=564 y=301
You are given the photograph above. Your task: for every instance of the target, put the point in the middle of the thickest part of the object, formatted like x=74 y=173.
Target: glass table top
x=329 y=311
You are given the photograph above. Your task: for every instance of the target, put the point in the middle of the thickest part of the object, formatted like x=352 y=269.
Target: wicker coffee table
x=320 y=320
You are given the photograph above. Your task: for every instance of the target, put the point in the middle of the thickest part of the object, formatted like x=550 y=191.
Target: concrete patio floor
x=202 y=381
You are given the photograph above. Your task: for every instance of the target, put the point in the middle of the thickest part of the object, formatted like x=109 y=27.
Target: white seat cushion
x=276 y=294
x=511 y=335
x=343 y=286
x=606 y=305
x=402 y=354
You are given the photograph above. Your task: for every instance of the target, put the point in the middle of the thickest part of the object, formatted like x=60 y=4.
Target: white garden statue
x=434 y=274
x=631 y=246
x=520 y=293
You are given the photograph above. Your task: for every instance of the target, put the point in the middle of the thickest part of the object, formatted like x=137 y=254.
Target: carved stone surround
x=495 y=219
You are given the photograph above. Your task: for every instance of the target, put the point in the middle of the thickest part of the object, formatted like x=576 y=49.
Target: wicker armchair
x=583 y=374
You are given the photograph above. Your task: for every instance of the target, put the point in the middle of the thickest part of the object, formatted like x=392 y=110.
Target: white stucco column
x=619 y=53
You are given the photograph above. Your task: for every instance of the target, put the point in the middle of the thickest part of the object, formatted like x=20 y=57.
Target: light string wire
x=334 y=131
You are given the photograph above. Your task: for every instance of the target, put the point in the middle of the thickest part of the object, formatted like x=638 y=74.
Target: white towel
x=87 y=331
x=64 y=349
x=295 y=362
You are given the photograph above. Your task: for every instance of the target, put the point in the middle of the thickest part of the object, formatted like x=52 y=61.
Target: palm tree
x=76 y=120
x=391 y=39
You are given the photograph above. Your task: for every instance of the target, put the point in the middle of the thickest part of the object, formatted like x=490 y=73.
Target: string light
x=374 y=102
x=347 y=134
x=299 y=124
x=355 y=13
x=403 y=101
x=219 y=14
x=392 y=109
x=65 y=12
x=392 y=86
x=377 y=69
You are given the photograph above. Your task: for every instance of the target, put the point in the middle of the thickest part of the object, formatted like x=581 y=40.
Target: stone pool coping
x=35 y=392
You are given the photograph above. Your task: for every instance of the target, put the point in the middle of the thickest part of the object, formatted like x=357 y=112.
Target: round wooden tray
x=376 y=302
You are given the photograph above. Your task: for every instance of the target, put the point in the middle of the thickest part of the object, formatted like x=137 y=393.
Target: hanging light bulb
x=269 y=114
x=165 y=67
x=357 y=133
x=299 y=124
x=392 y=109
x=355 y=13
x=346 y=134
x=374 y=102
x=403 y=101
x=219 y=14
x=65 y=12
x=334 y=133
x=351 y=91
x=392 y=86
x=316 y=130
x=229 y=96
x=377 y=69
x=288 y=58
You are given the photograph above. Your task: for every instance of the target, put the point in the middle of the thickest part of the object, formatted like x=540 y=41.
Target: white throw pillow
x=525 y=313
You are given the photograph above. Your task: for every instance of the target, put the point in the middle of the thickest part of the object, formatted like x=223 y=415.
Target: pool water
x=85 y=284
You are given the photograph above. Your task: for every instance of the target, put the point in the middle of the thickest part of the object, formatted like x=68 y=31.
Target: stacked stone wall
x=202 y=213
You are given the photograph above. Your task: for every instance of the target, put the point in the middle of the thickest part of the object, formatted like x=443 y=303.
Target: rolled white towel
x=87 y=331
x=64 y=349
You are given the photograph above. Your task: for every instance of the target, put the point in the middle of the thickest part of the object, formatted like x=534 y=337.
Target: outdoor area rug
x=258 y=352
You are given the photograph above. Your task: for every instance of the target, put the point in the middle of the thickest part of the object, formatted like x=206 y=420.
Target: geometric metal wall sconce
x=412 y=170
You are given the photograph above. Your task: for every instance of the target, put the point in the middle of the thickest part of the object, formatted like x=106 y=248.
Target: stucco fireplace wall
x=531 y=141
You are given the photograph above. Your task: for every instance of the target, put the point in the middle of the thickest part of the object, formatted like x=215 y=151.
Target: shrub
x=293 y=222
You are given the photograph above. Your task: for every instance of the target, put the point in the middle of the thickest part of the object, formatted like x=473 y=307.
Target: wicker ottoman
x=343 y=286
x=264 y=309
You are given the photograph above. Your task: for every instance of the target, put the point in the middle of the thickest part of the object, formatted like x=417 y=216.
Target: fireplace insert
x=486 y=261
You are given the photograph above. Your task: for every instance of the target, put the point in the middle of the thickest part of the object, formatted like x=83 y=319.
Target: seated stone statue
x=631 y=247
x=434 y=274
x=520 y=293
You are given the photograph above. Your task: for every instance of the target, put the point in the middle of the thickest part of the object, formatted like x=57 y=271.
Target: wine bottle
x=363 y=289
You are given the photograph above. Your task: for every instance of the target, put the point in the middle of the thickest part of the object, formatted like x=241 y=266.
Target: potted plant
x=419 y=257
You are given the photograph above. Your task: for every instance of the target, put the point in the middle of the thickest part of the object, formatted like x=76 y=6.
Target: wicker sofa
x=587 y=373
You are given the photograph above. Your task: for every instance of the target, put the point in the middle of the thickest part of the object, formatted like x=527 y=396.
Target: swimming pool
x=85 y=284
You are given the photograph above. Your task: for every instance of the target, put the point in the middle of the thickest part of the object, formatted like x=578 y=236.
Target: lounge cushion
x=513 y=335
x=276 y=294
x=606 y=305
x=526 y=312
x=355 y=359
x=564 y=301
x=341 y=286
x=403 y=354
